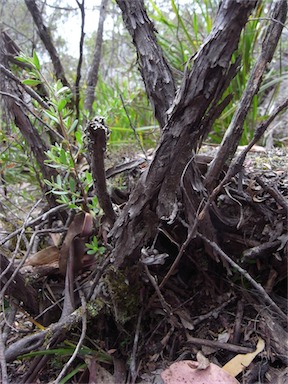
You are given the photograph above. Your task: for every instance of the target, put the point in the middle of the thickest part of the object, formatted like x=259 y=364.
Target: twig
x=218 y=345
x=35 y=221
x=133 y=370
x=166 y=307
x=4 y=374
x=17 y=247
x=212 y=313
x=238 y=322
x=32 y=113
x=280 y=199
x=257 y=286
x=34 y=341
x=83 y=334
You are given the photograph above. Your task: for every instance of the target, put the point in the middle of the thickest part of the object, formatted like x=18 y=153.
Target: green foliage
x=108 y=104
x=182 y=30
x=94 y=248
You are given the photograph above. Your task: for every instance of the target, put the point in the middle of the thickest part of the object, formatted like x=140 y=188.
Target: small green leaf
x=73 y=126
x=31 y=82
x=49 y=114
x=36 y=60
x=62 y=90
x=23 y=59
x=55 y=192
x=79 y=137
x=63 y=157
x=62 y=103
x=59 y=181
x=72 y=184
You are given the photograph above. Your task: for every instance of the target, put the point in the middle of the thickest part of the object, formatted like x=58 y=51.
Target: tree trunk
x=155 y=70
x=195 y=106
x=14 y=101
x=92 y=77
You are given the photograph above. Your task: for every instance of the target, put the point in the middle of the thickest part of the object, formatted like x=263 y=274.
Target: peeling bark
x=155 y=70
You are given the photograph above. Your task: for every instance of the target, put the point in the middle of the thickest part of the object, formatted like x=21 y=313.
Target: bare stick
x=83 y=334
x=218 y=345
x=4 y=374
x=133 y=369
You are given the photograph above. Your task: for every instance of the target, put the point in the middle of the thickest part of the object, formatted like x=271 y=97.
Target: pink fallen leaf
x=186 y=372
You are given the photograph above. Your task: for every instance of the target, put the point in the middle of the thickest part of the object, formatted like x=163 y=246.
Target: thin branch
x=4 y=373
x=82 y=337
x=29 y=90
x=133 y=369
x=60 y=137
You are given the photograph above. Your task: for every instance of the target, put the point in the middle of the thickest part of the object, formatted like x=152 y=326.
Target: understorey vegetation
x=144 y=211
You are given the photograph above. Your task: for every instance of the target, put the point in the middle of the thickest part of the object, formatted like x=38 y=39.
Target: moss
x=123 y=294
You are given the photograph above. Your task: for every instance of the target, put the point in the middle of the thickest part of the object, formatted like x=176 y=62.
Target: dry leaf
x=242 y=361
x=46 y=256
x=202 y=360
x=80 y=228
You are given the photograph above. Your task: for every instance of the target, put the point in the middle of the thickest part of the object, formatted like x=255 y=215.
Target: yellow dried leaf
x=242 y=361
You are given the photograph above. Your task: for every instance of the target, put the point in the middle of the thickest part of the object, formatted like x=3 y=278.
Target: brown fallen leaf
x=46 y=256
x=78 y=231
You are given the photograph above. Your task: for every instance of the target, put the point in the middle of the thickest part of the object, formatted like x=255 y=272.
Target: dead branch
x=4 y=373
x=35 y=341
x=218 y=345
x=97 y=134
